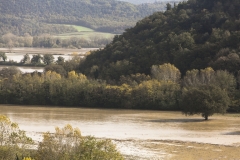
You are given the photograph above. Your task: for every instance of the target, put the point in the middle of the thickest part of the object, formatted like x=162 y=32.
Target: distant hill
x=193 y=35
x=44 y=16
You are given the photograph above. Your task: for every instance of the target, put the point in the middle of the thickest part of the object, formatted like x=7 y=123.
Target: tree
x=28 y=40
x=68 y=143
x=205 y=100
x=12 y=139
x=60 y=60
x=26 y=59
x=36 y=59
x=48 y=59
x=169 y=6
x=57 y=68
x=9 y=72
x=166 y=72
x=9 y=39
x=208 y=76
x=3 y=56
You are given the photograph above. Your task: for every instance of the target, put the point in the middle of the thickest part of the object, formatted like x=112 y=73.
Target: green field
x=81 y=28
x=84 y=32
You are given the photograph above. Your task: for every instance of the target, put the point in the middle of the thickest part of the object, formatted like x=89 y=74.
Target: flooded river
x=128 y=125
x=17 y=54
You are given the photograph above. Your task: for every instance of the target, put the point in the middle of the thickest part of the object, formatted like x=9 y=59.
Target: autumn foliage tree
x=68 y=143
x=166 y=72
x=12 y=140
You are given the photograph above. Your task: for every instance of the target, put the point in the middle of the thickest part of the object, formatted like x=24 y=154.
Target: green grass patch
x=84 y=32
x=81 y=28
x=86 y=35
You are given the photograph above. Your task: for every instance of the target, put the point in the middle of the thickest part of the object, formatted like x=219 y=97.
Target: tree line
x=10 y=41
x=163 y=90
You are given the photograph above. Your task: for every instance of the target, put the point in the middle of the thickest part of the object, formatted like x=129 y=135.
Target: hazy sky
x=146 y=1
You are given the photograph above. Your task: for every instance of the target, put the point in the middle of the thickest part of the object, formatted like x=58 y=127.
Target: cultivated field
x=86 y=33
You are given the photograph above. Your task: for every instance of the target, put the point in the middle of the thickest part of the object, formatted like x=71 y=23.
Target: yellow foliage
x=207 y=70
x=66 y=143
x=74 y=54
x=88 y=53
x=11 y=134
x=149 y=86
x=4 y=120
x=52 y=75
x=166 y=72
x=68 y=130
x=82 y=77
x=72 y=75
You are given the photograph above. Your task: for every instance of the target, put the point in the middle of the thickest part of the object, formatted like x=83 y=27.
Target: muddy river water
x=128 y=128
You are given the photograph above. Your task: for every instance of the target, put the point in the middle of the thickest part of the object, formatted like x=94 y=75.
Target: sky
x=145 y=1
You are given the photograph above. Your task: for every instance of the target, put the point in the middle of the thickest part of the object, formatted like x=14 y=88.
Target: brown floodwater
x=127 y=125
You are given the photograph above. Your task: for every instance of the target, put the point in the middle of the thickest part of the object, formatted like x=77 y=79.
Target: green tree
x=205 y=100
x=48 y=59
x=169 y=6
x=36 y=59
x=3 y=56
x=26 y=59
x=60 y=60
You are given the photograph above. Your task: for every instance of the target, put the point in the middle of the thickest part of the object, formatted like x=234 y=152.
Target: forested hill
x=193 y=35
x=20 y=16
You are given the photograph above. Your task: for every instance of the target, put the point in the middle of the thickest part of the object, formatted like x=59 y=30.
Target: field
x=86 y=33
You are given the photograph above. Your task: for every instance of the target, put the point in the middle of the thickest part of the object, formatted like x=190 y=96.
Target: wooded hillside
x=37 y=17
x=192 y=35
